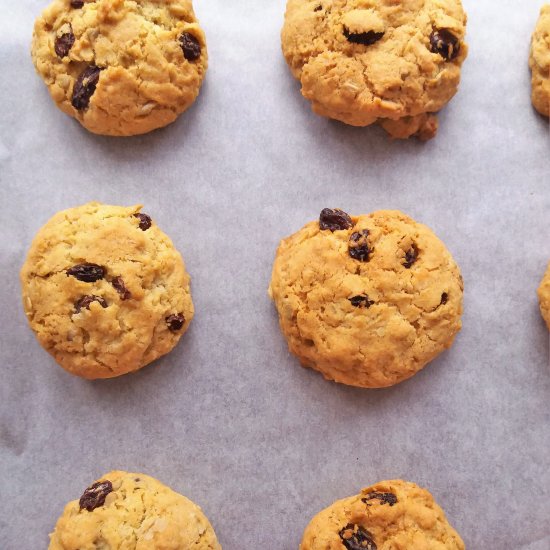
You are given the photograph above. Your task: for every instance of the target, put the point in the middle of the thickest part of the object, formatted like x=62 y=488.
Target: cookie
x=120 y=68
x=132 y=512
x=377 y=61
x=105 y=290
x=389 y=515
x=544 y=297
x=539 y=61
x=366 y=300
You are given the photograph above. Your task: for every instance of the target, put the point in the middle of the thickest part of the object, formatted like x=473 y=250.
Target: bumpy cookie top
x=544 y=297
x=539 y=61
x=124 y=511
x=362 y=60
x=105 y=290
x=121 y=67
x=366 y=300
x=389 y=515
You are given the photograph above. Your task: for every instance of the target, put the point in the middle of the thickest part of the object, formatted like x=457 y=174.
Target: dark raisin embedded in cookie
x=84 y=87
x=191 y=46
x=175 y=322
x=361 y=301
x=77 y=4
x=359 y=246
x=334 y=220
x=444 y=299
x=318 y=8
x=85 y=301
x=95 y=496
x=384 y=498
x=365 y=38
x=87 y=273
x=411 y=256
x=120 y=287
x=354 y=537
x=63 y=44
x=445 y=43
x=145 y=221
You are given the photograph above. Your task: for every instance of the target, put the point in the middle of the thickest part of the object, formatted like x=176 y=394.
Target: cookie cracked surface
x=544 y=297
x=389 y=515
x=390 y=62
x=539 y=62
x=121 y=67
x=126 y=511
x=366 y=300
x=105 y=291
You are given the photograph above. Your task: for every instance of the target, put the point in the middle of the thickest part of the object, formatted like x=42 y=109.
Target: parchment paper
x=229 y=418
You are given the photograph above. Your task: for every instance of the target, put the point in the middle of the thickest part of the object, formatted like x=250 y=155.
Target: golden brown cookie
x=368 y=61
x=539 y=61
x=105 y=290
x=366 y=300
x=120 y=67
x=125 y=511
x=391 y=515
x=544 y=297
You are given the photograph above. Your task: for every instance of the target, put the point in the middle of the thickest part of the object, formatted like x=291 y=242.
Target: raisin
x=95 y=496
x=318 y=8
x=445 y=43
x=87 y=273
x=84 y=87
x=85 y=302
x=384 y=498
x=120 y=287
x=411 y=256
x=77 y=4
x=175 y=322
x=334 y=220
x=444 y=299
x=361 y=301
x=366 y=38
x=354 y=537
x=359 y=246
x=145 y=221
x=63 y=44
x=191 y=46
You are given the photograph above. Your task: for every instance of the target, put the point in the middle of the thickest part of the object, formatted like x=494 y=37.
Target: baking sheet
x=229 y=418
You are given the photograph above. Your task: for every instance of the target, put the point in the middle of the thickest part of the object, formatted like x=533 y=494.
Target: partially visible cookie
x=366 y=300
x=132 y=512
x=389 y=515
x=539 y=61
x=105 y=290
x=120 y=68
x=377 y=61
x=544 y=297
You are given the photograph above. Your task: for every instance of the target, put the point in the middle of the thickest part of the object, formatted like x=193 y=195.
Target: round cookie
x=544 y=297
x=105 y=290
x=389 y=515
x=120 y=67
x=539 y=61
x=377 y=61
x=132 y=512
x=366 y=300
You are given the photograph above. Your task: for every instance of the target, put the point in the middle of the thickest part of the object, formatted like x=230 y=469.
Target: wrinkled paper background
x=229 y=418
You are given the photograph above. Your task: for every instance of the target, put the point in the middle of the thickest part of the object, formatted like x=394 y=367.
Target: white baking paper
x=229 y=418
